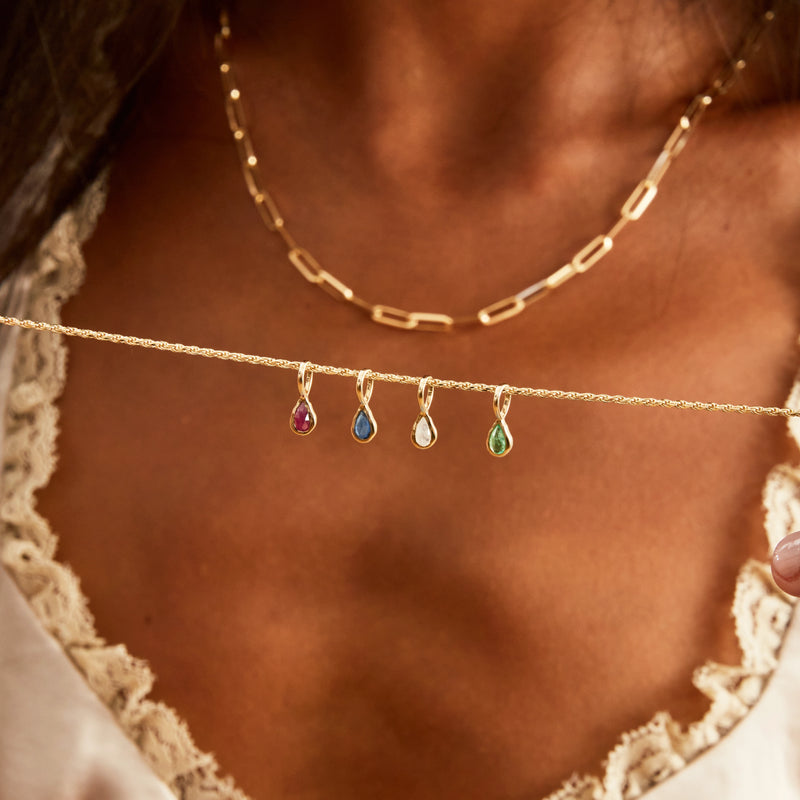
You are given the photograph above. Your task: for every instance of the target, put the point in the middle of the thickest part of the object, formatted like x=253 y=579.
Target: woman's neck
x=428 y=89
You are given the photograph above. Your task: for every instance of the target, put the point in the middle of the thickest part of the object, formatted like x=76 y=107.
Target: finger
x=786 y=564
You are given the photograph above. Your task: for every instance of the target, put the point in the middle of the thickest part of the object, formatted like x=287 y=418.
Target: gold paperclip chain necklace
x=632 y=209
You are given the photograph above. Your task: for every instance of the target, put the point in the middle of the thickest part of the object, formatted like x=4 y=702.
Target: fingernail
x=786 y=559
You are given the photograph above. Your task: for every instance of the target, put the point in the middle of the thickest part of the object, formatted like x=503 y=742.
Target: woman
x=342 y=621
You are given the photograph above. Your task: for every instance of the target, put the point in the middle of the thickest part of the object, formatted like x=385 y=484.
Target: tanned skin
x=347 y=622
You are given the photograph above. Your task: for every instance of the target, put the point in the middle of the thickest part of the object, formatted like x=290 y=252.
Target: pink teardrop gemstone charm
x=303 y=419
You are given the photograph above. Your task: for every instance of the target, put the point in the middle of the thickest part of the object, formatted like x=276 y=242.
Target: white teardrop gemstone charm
x=423 y=434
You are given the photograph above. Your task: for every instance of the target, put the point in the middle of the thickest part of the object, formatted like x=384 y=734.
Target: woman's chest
x=380 y=618
x=388 y=621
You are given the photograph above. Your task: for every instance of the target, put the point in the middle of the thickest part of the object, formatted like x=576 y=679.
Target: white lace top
x=75 y=721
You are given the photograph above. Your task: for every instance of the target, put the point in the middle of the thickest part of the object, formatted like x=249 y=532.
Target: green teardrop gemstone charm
x=499 y=441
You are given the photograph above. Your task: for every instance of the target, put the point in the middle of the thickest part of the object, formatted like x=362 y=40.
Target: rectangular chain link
x=334 y=286
x=393 y=317
x=426 y=321
x=640 y=198
x=306 y=264
x=534 y=292
x=268 y=210
x=503 y=309
x=592 y=253
x=561 y=276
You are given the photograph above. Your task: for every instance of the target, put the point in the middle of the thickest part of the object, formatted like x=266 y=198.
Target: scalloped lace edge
x=641 y=759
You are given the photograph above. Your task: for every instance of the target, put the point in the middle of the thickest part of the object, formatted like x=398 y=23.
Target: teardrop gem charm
x=423 y=432
x=303 y=420
x=499 y=440
x=364 y=424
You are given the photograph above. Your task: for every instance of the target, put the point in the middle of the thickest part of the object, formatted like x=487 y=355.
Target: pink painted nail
x=786 y=564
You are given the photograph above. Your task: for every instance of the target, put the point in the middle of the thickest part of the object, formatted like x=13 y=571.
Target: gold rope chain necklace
x=303 y=419
x=632 y=209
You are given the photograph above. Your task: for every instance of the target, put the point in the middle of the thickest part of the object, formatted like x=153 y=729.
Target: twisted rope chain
x=390 y=377
x=632 y=209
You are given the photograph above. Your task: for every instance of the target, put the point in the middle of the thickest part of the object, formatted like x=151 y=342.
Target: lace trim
x=641 y=759
x=27 y=545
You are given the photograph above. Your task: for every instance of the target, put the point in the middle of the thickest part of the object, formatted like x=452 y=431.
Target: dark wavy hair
x=67 y=71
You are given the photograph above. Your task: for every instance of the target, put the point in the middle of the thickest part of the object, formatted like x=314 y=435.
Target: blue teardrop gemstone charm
x=362 y=428
x=364 y=425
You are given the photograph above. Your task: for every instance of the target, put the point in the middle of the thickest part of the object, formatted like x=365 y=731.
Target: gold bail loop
x=501 y=402
x=425 y=394
x=364 y=386
x=305 y=377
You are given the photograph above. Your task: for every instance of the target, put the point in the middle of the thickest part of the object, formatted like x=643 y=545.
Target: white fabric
x=57 y=740
x=760 y=757
x=75 y=721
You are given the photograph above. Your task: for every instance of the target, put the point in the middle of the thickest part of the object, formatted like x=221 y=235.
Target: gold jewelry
x=364 y=424
x=632 y=209
x=499 y=440
x=423 y=432
x=303 y=420
x=391 y=377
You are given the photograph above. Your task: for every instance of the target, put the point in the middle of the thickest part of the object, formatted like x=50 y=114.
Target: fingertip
x=786 y=564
